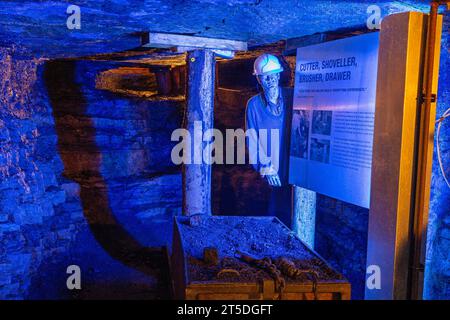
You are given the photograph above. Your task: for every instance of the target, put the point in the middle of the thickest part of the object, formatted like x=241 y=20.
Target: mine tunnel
x=92 y=94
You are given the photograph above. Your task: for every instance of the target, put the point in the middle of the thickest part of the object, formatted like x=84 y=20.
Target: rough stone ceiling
x=114 y=25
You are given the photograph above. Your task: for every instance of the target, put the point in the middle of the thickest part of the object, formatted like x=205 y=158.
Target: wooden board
x=263 y=289
x=167 y=40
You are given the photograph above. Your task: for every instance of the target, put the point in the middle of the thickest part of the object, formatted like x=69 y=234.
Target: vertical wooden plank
x=199 y=118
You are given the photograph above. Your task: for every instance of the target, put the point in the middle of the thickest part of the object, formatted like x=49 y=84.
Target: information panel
x=333 y=118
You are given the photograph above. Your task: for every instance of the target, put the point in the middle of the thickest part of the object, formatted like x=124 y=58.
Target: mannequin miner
x=271 y=110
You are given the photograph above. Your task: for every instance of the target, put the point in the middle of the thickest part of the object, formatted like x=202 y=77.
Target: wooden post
x=199 y=115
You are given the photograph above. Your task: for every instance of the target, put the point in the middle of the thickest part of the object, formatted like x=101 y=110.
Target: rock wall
x=341 y=238
x=84 y=175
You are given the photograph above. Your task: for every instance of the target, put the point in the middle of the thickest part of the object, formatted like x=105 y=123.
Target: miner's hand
x=273 y=180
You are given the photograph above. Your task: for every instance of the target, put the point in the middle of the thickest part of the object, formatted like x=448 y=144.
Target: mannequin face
x=269 y=81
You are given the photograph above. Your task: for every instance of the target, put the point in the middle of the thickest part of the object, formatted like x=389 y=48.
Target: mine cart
x=234 y=257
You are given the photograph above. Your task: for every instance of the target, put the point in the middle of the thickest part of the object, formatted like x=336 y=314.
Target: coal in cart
x=235 y=257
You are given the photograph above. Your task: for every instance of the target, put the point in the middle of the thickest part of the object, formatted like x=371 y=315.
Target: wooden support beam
x=167 y=40
x=397 y=111
x=199 y=111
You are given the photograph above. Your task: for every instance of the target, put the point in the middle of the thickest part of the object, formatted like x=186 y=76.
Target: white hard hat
x=266 y=64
